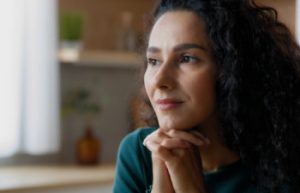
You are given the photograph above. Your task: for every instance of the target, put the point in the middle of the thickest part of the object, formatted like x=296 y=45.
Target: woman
x=222 y=77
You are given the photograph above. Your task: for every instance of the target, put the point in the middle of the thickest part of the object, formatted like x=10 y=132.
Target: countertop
x=14 y=178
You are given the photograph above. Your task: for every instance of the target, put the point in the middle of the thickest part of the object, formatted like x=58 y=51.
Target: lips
x=168 y=104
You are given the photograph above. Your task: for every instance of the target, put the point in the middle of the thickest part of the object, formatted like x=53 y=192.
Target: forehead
x=175 y=27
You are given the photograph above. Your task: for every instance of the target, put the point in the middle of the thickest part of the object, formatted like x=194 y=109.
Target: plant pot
x=70 y=50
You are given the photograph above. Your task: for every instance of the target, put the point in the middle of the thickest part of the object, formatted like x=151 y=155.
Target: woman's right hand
x=161 y=178
x=164 y=145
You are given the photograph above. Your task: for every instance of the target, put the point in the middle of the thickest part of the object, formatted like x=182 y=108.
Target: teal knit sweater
x=134 y=170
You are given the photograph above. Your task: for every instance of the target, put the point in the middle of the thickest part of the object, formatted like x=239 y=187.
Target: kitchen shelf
x=110 y=59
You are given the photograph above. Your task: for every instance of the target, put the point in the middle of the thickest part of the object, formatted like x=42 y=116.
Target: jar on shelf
x=88 y=148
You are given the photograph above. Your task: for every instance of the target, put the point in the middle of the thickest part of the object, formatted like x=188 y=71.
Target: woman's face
x=180 y=74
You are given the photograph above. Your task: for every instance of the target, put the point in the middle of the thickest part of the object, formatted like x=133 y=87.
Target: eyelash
x=182 y=59
x=152 y=61
x=188 y=59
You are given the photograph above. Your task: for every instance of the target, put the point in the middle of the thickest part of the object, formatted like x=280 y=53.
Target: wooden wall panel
x=103 y=17
x=286 y=11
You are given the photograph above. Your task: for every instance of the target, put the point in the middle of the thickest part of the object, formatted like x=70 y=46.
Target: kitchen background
x=116 y=87
x=110 y=35
x=100 y=76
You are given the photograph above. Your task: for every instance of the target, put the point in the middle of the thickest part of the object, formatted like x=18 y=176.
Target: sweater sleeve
x=133 y=168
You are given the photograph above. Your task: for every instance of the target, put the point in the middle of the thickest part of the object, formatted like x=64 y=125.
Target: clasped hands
x=176 y=160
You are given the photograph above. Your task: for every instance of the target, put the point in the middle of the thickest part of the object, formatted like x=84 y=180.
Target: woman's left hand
x=183 y=164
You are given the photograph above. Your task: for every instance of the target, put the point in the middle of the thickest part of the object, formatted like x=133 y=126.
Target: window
x=29 y=98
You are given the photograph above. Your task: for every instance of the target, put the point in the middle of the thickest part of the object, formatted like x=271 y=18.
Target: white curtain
x=29 y=78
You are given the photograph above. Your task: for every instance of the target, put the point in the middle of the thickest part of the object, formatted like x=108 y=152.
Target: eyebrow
x=179 y=47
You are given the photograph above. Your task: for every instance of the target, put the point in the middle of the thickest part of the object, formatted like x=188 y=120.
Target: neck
x=216 y=154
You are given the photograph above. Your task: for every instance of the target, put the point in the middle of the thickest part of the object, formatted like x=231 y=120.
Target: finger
x=161 y=138
x=159 y=151
x=197 y=156
x=157 y=136
x=172 y=143
x=186 y=170
x=161 y=179
x=200 y=135
x=183 y=135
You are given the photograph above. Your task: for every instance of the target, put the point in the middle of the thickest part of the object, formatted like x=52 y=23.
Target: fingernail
x=145 y=141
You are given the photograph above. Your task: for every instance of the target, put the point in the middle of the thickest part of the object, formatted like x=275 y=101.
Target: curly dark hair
x=258 y=86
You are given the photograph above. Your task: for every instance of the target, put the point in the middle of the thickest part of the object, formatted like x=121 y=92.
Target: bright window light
x=10 y=77
x=29 y=99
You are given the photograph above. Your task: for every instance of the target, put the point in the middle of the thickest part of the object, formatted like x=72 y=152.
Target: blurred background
x=69 y=84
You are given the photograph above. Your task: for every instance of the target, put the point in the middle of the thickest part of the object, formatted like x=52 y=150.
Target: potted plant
x=88 y=146
x=71 y=26
x=78 y=100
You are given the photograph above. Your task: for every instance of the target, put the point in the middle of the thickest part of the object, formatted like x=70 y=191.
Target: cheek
x=147 y=84
x=206 y=100
x=203 y=94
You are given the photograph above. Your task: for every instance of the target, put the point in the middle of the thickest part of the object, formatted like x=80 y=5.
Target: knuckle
x=164 y=143
x=159 y=133
x=160 y=150
x=181 y=153
x=162 y=153
x=172 y=132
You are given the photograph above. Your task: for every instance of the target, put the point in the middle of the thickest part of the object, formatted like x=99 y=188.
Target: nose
x=165 y=76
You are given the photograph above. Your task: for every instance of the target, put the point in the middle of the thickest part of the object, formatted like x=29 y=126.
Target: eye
x=153 y=62
x=188 y=59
